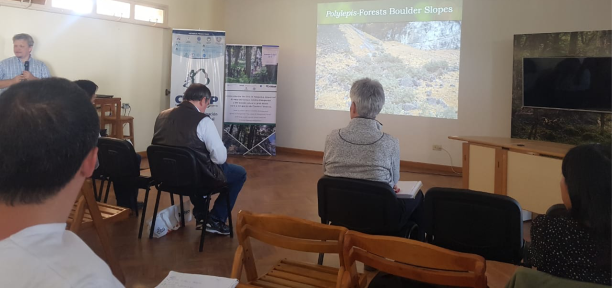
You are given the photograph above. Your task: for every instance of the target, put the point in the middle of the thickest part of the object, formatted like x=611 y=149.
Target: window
x=33 y=1
x=125 y=11
x=150 y=14
x=78 y=6
x=113 y=8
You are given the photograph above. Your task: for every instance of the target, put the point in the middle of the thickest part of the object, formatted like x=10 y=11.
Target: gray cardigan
x=362 y=151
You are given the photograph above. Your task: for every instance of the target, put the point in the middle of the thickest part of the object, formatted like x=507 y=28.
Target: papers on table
x=184 y=280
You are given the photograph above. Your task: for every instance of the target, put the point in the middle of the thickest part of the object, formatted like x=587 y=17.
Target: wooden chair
x=112 y=106
x=117 y=127
x=411 y=259
x=89 y=213
x=294 y=234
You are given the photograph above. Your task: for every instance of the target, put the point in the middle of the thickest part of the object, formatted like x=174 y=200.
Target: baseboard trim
x=418 y=167
x=142 y=154
x=405 y=166
x=299 y=151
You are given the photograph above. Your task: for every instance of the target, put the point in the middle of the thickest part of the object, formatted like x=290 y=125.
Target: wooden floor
x=285 y=185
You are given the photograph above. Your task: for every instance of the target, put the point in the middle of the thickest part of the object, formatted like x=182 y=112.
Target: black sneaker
x=217 y=227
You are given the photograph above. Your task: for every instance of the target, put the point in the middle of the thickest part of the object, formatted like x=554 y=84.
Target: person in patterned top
x=576 y=244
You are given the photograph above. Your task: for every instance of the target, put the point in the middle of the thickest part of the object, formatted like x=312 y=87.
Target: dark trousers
x=235 y=176
x=413 y=211
x=126 y=190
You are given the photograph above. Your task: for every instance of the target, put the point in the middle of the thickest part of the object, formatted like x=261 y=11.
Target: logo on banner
x=213 y=99
x=191 y=77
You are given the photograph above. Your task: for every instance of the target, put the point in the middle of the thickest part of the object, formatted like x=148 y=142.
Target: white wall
x=485 y=92
x=126 y=60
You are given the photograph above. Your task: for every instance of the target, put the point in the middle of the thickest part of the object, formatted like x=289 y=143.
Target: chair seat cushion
x=289 y=273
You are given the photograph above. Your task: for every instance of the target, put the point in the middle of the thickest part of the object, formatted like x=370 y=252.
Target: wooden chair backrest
x=413 y=260
x=290 y=233
x=285 y=232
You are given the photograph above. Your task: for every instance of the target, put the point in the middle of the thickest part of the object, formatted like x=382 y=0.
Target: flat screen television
x=568 y=83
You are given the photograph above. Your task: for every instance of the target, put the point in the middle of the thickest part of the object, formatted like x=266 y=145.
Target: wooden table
x=115 y=109
x=528 y=171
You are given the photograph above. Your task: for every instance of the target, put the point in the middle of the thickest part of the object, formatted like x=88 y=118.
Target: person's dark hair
x=89 y=86
x=47 y=128
x=587 y=171
x=196 y=92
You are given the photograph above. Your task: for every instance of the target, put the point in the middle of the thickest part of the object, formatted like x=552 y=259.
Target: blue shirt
x=12 y=67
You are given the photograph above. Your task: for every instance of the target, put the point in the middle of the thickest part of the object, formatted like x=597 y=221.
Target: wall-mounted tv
x=568 y=83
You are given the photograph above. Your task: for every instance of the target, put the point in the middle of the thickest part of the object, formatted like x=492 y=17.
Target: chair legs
x=154 y=213
x=321 y=255
x=95 y=189
x=207 y=214
x=229 y=215
x=182 y=211
x=107 y=190
x=144 y=213
x=98 y=192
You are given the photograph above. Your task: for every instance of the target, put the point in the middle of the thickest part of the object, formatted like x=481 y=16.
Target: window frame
x=47 y=7
x=95 y=9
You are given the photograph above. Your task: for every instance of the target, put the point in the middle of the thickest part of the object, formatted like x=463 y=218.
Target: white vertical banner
x=199 y=57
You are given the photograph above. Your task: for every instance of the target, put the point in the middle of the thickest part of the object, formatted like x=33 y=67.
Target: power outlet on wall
x=436 y=147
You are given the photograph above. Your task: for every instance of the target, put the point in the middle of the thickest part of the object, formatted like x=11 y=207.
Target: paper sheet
x=184 y=280
x=408 y=189
x=269 y=55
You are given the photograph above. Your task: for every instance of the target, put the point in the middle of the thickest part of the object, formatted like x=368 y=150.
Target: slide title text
x=386 y=12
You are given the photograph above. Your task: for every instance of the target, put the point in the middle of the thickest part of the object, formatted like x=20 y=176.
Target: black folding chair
x=365 y=206
x=98 y=191
x=475 y=222
x=118 y=162
x=175 y=170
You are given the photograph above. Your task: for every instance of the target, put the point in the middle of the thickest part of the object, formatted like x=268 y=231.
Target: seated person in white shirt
x=187 y=126
x=48 y=148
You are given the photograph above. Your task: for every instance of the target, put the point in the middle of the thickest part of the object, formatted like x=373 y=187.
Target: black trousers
x=413 y=211
x=126 y=192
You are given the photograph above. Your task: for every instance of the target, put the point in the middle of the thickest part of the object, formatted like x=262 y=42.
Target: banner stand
x=250 y=99
x=198 y=57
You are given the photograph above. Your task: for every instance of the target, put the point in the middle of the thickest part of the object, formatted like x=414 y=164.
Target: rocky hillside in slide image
x=419 y=82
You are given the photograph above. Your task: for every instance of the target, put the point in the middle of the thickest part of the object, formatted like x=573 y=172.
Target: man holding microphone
x=22 y=67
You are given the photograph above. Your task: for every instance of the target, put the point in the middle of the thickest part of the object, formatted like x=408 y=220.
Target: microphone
x=27 y=65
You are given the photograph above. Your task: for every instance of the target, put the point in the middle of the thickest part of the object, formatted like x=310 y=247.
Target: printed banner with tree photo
x=250 y=99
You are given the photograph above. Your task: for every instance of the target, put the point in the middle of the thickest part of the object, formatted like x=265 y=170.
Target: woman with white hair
x=362 y=151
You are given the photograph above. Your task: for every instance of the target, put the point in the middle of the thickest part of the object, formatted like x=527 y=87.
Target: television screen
x=576 y=83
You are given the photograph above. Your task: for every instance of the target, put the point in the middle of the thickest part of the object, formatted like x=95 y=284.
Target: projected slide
x=411 y=47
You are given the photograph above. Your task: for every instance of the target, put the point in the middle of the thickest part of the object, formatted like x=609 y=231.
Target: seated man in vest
x=187 y=126
x=362 y=151
x=48 y=135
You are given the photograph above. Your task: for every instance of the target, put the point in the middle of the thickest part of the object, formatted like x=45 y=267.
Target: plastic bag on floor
x=188 y=210
x=165 y=222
